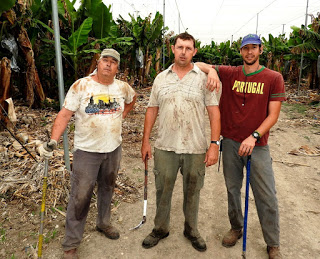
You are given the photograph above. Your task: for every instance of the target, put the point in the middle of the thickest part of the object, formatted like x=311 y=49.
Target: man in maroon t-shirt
x=250 y=105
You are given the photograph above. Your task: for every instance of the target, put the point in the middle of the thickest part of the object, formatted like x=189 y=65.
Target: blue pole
x=245 y=221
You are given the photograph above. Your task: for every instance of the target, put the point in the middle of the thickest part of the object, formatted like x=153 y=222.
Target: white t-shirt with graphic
x=98 y=113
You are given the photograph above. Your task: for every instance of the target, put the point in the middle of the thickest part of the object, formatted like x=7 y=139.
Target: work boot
x=197 y=242
x=274 y=252
x=153 y=238
x=231 y=238
x=70 y=254
x=110 y=232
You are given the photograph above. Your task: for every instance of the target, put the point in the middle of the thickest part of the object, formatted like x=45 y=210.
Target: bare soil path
x=298 y=187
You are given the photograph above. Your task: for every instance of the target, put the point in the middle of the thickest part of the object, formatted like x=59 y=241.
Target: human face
x=250 y=54
x=107 y=66
x=183 y=52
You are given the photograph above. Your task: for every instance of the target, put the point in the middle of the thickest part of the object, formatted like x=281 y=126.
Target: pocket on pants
x=201 y=173
x=157 y=179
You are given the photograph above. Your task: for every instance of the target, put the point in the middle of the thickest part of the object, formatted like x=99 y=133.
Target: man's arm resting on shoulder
x=215 y=125
x=129 y=106
x=150 y=118
x=248 y=144
x=213 y=81
x=61 y=123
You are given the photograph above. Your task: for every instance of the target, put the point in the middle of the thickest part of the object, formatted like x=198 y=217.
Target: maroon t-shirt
x=245 y=99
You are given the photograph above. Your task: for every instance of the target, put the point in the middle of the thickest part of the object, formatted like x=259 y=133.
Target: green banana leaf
x=80 y=36
x=49 y=29
x=6 y=5
x=102 y=18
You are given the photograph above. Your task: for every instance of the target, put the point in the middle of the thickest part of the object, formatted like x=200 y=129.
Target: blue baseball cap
x=250 y=39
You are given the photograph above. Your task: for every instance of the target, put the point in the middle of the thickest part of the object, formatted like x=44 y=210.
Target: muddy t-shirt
x=245 y=99
x=98 y=113
x=182 y=106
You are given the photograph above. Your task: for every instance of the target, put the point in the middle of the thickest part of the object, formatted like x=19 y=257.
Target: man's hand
x=247 y=146
x=213 y=81
x=212 y=155
x=46 y=150
x=146 y=150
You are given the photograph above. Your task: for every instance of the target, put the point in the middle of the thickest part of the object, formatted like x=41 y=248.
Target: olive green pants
x=166 y=167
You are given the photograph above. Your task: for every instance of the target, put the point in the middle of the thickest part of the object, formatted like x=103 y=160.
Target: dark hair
x=185 y=36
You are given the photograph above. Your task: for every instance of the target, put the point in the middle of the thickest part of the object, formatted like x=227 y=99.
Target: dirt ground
x=298 y=186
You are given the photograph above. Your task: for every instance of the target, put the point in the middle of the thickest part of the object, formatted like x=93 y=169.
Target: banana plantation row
x=28 y=56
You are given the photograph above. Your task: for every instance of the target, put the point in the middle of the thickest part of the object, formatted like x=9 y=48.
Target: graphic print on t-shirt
x=248 y=87
x=102 y=104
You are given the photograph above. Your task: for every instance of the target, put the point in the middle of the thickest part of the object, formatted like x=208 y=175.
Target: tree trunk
x=94 y=60
x=146 y=56
x=148 y=65
x=34 y=88
x=93 y=65
x=5 y=76
x=312 y=75
x=294 y=72
x=158 y=56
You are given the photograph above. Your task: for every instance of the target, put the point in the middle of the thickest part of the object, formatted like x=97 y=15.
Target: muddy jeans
x=166 y=166
x=89 y=168
x=262 y=185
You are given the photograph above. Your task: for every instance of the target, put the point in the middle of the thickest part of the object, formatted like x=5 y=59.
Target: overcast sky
x=221 y=20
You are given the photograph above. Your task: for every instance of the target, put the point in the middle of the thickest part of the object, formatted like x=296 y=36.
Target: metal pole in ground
x=245 y=221
x=43 y=205
x=57 y=46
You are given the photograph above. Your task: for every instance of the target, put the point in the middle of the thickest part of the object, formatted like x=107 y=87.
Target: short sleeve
x=154 y=101
x=73 y=97
x=278 y=89
x=130 y=93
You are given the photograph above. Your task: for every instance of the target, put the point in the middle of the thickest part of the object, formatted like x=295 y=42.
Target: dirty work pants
x=192 y=168
x=262 y=185
x=89 y=168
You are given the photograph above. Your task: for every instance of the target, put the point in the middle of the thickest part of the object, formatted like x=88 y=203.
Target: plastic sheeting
x=10 y=44
x=139 y=58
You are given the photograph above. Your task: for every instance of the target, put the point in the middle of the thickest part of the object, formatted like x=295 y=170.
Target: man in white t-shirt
x=180 y=97
x=99 y=103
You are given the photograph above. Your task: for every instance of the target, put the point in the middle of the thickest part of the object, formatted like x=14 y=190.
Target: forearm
x=271 y=119
x=128 y=107
x=60 y=123
x=215 y=122
x=213 y=151
x=150 y=118
x=213 y=80
x=204 y=67
x=267 y=124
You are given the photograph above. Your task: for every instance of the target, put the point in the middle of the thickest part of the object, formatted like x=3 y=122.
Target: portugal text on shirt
x=248 y=87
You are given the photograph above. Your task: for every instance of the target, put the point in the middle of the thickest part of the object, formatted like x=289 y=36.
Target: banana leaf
x=102 y=18
x=6 y=5
x=80 y=36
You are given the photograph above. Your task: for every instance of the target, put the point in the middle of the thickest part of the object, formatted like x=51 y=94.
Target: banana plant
x=95 y=29
x=307 y=41
x=275 y=49
x=147 y=37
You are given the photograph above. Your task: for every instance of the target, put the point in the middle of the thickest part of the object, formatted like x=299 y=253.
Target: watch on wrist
x=217 y=142
x=256 y=135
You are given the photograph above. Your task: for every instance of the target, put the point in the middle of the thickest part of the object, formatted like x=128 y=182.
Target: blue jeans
x=262 y=185
x=89 y=168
